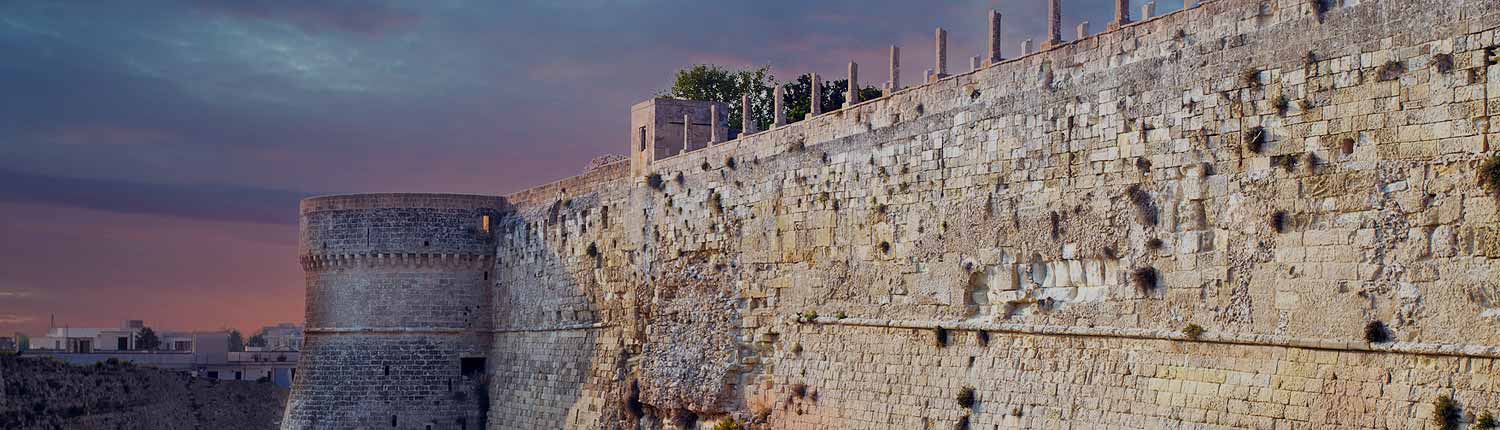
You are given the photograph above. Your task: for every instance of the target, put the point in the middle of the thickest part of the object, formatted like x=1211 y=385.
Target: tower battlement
x=398 y=310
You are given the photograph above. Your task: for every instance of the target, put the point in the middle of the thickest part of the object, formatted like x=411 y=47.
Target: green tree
x=147 y=340
x=798 y=96
x=258 y=339
x=236 y=341
x=715 y=83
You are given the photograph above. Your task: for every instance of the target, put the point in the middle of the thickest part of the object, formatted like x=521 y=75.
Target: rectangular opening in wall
x=239 y=376
x=484 y=224
x=471 y=366
x=641 y=136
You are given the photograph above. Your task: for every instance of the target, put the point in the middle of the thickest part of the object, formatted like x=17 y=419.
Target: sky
x=152 y=152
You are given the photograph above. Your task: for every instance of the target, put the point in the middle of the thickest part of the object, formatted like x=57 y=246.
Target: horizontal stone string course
x=568 y=327
x=1416 y=348
x=388 y=330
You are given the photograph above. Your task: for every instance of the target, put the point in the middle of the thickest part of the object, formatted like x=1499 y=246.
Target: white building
x=282 y=337
x=88 y=339
x=204 y=354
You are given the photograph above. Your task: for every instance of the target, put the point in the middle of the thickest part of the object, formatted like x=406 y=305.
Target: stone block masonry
x=1186 y=221
x=399 y=312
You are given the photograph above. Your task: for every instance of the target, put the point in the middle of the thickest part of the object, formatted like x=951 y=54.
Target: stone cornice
x=320 y=262
x=1350 y=345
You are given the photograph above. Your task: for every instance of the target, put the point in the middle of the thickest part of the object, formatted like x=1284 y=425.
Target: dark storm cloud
x=214 y=203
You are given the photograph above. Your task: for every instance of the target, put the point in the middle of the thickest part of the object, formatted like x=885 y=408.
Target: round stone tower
x=398 y=312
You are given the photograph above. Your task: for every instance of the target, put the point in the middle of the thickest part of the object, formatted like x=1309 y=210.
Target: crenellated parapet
x=398 y=310
x=394 y=260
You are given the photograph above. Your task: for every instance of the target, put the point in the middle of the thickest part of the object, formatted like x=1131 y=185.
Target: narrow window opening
x=426 y=243
x=486 y=276
x=393 y=420
x=642 y=137
x=484 y=224
x=387 y=370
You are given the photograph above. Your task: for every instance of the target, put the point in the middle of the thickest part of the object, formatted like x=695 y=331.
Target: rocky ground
x=41 y=393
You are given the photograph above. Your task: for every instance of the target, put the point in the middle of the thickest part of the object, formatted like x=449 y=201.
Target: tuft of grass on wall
x=1055 y=220
x=1446 y=413
x=965 y=397
x=654 y=181
x=1277 y=221
x=1486 y=421
x=1192 y=331
x=1154 y=244
x=716 y=203
x=1391 y=70
x=1145 y=210
x=809 y=316
x=799 y=390
x=1254 y=140
x=1250 y=78
x=1489 y=175
x=1144 y=279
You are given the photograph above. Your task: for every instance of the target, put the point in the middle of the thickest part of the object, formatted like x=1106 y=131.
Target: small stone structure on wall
x=1244 y=214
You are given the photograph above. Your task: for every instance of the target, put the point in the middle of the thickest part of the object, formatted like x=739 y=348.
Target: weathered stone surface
x=397 y=297
x=1083 y=205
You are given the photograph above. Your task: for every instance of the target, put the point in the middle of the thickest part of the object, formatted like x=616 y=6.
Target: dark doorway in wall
x=122 y=344
x=471 y=366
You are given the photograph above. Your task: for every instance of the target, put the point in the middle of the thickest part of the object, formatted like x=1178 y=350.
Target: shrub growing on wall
x=1489 y=175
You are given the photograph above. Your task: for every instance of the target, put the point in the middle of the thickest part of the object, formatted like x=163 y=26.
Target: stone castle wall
x=1185 y=222
x=398 y=297
x=1272 y=173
